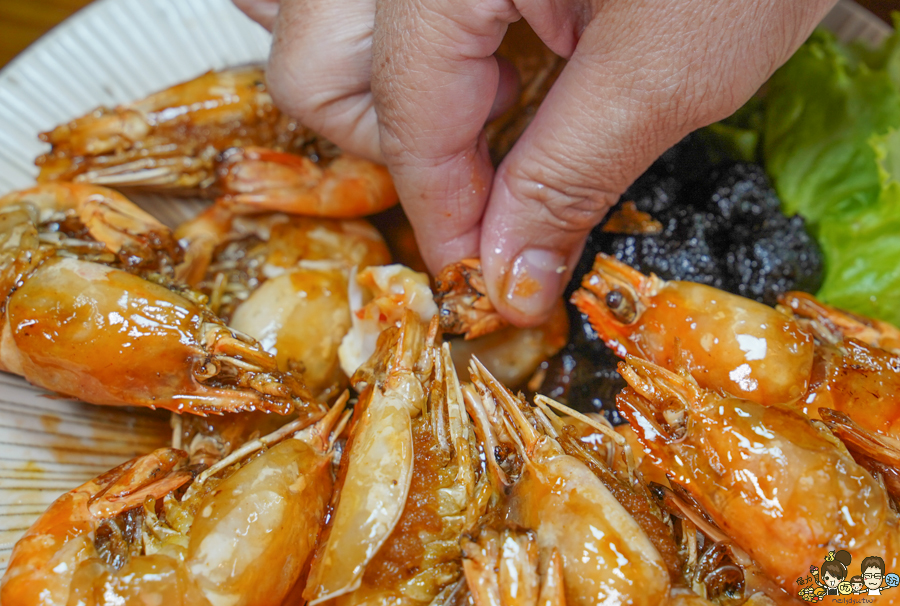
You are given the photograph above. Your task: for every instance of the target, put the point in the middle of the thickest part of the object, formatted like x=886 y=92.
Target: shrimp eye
x=621 y=306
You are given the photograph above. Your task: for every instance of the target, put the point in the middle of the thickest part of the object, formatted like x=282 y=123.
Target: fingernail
x=534 y=281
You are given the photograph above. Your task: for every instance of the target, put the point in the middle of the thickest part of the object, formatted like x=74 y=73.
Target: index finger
x=434 y=82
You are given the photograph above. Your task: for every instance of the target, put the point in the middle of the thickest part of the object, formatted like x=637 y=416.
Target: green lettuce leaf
x=830 y=143
x=863 y=251
x=822 y=107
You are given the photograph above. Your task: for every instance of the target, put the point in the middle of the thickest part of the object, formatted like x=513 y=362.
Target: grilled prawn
x=411 y=479
x=283 y=280
x=725 y=341
x=606 y=555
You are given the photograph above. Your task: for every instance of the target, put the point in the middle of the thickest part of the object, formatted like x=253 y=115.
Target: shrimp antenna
x=177 y=425
x=508 y=402
x=475 y=408
x=339 y=428
x=250 y=447
x=606 y=430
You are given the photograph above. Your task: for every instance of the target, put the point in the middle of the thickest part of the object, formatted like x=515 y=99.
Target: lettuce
x=862 y=250
x=830 y=143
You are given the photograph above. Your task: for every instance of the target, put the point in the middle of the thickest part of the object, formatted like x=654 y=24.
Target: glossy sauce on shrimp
x=411 y=481
x=129 y=538
x=781 y=486
x=83 y=265
x=725 y=341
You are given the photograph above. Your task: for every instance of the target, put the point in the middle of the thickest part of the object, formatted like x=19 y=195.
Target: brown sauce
x=401 y=556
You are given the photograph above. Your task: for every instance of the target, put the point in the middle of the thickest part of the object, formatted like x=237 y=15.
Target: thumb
x=638 y=81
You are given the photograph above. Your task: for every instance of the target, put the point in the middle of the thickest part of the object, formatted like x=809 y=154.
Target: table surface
x=24 y=21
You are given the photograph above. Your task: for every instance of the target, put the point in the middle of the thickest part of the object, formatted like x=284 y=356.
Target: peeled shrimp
x=725 y=341
x=170 y=140
x=411 y=479
x=106 y=543
x=783 y=488
x=81 y=318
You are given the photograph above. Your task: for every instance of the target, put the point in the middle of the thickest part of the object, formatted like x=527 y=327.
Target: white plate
x=112 y=52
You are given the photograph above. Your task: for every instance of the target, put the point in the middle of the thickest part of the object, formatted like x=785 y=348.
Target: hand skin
x=411 y=83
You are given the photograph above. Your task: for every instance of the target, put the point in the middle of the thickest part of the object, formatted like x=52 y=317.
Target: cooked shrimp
x=877 y=453
x=412 y=480
x=511 y=353
x=251 y=248
x=347 y=187
x=834 y=325
x=379 y=298
x=170 y=140
x=782 y=487
x=461 y=296
x=46 y=559
x=203 y=548
x=856 y=370
x=80 y=220
x=74 y=263
x=803 y=354
x=606 y=556
x=149 y=346
x=504 y=568
x=282 y=280
x=725 y=341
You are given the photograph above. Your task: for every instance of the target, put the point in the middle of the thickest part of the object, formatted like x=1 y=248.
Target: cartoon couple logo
x=872 y=579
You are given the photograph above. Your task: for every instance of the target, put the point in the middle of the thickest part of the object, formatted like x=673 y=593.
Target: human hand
x=412 y=83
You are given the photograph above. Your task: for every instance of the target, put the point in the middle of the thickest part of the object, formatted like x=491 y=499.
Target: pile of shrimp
x=398 y=466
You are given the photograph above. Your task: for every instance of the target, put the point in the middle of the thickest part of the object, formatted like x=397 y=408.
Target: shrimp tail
x=879 y=454
x=255 y=178
x=833 y=325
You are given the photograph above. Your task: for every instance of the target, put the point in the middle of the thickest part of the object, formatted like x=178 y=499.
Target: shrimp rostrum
x=135 y=536
x=81 y=265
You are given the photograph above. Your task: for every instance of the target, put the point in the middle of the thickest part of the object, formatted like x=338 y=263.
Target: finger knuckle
x=567 y=200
